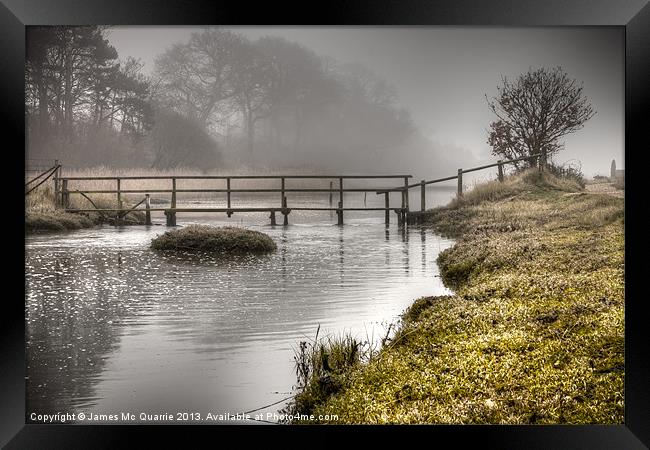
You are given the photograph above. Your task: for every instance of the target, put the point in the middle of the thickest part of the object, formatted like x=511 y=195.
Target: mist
x=365 y=100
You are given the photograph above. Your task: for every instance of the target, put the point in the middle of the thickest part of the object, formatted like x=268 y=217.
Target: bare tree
x=534 y=112
x=198 y=77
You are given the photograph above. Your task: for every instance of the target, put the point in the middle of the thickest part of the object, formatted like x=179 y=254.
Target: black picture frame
x=633 y=15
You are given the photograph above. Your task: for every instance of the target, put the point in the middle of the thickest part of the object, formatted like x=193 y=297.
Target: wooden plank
x=167 y=191
x=237 y=209
x=238 y=177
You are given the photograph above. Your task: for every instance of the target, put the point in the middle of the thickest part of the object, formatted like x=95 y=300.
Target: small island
x=205 y=238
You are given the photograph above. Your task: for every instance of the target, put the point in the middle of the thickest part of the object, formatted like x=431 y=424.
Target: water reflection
x=185 y=332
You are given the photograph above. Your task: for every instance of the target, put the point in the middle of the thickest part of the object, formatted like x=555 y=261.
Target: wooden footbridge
x=175 y=183
x=63 y=190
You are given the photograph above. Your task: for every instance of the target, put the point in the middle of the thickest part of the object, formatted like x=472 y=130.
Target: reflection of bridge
x=63 y=190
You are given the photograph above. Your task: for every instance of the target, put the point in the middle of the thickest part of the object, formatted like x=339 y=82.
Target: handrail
x=39 y=176
x=52 y=172
x=163 y=191
x=473 y=169
x=235 y=177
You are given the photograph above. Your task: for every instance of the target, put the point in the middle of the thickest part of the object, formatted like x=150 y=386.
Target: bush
x=568 y=172
x=204 y=238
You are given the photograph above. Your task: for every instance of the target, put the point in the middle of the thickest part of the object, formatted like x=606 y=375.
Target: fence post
x=228 y=195
x=386 y=205
x=340 y=211
x=406 y=194
x=147 y=204
x=423 y=200
x=460 y=182
x=56 y=185
x=284 y=210
x=64 y=195
x=331 y=185
x=500 y=166
x=171 y=215
x=118 y=220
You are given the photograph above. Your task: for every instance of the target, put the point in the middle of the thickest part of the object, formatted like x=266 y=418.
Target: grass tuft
x=223 y=240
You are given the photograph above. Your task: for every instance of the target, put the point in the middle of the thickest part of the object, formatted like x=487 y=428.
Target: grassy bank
x=220 y=240
x=534 y=334
x=42 y=216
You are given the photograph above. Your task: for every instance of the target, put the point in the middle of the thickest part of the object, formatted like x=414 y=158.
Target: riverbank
x=41 y=216
x=534 y=333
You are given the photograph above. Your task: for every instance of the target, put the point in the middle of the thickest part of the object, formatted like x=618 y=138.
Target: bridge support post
x=57 y=202
x=171 y=218
x=147 y=214
x=171 y=214
x=228 y=194
x=118 y=218
x=387 y=205
x=331 y=185
x=339 y=213
x=406 y=193
x=423 y=200
x=400 y=217
x=65 y=196
x=272 y=217
x=285 y=211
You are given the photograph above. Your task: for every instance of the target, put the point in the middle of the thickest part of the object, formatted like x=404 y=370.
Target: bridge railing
x=459 y=176
x=66 y=191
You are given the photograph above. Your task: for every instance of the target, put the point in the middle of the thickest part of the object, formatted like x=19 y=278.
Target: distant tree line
x=75 y=87
x=217 y=99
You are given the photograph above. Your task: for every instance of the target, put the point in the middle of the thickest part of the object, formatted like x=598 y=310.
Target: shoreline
x=534 y=333
x=52 y=221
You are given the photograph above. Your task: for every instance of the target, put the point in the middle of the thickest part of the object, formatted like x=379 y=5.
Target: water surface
x=113 y=327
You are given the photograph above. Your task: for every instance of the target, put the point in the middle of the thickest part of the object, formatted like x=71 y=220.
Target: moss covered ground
x=221 y=240
x=534 y=333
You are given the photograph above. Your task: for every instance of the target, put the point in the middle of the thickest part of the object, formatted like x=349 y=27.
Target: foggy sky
x=442 y=74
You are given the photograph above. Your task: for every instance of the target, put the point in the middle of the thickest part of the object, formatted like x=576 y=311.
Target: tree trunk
x=67 y=96
x=250 y=133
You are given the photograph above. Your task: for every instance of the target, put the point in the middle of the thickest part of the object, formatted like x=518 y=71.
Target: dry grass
x=535 y=331
x=42 y=215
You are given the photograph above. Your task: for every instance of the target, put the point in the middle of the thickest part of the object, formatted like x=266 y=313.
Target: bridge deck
x=231 y=210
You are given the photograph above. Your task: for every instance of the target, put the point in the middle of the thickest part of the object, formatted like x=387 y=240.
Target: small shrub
x=568 y=172
x=322 y=367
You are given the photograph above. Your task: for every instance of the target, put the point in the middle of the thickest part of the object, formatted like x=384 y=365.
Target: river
x=112 y=327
